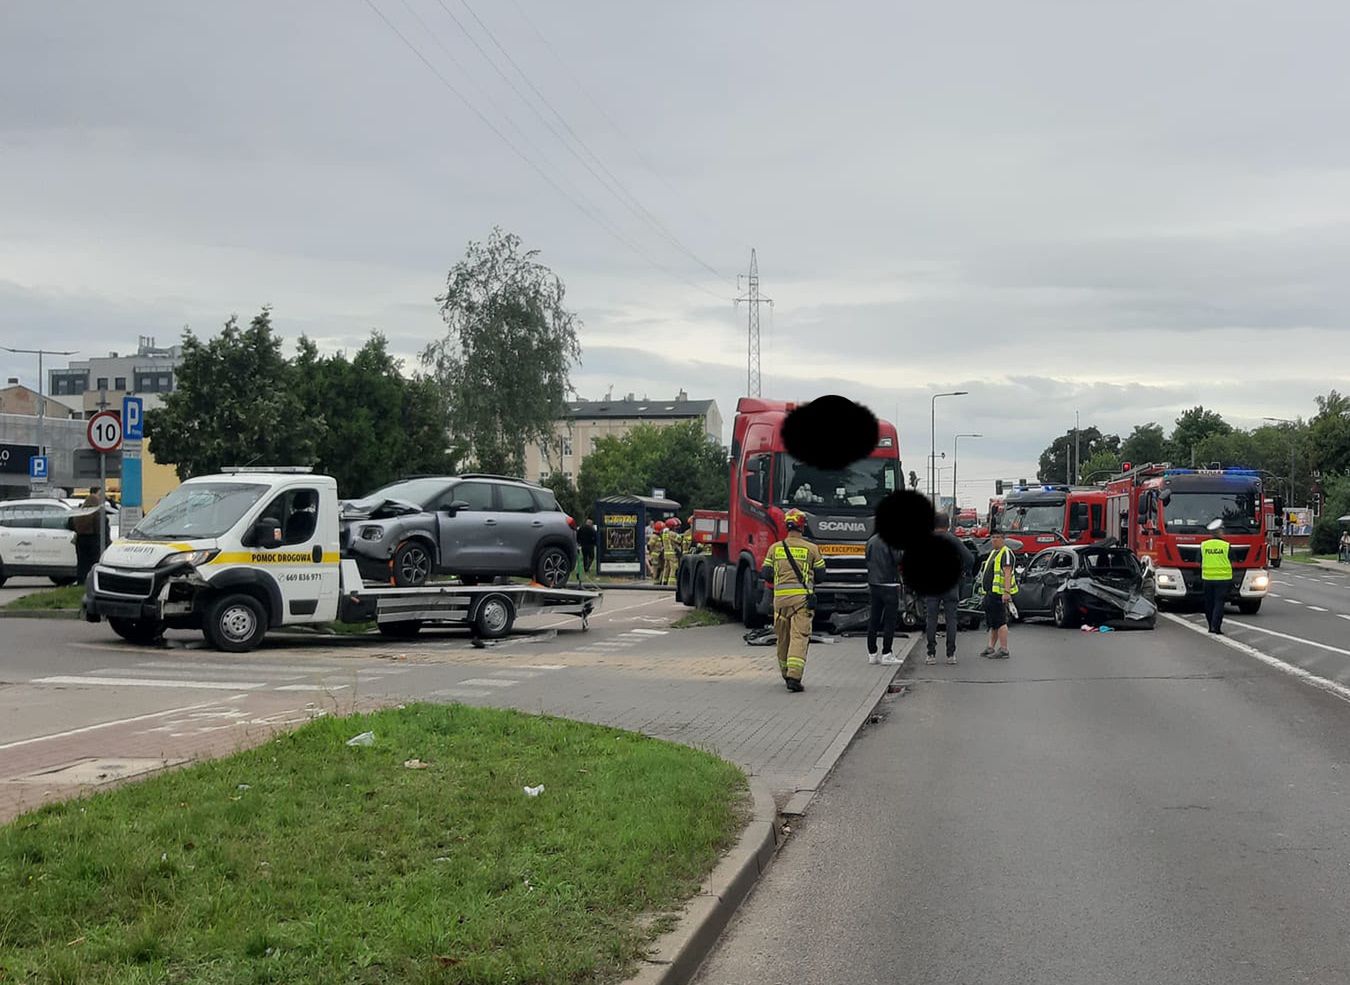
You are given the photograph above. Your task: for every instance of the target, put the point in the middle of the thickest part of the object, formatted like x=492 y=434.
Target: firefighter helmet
x=795 y=520
x=658 y=526
x=673 y=523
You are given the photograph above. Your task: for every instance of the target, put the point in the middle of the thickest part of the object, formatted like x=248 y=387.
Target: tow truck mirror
x=267 y=533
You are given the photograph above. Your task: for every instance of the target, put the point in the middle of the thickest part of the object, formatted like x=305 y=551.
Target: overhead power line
x=610 y=181
x=584 y=209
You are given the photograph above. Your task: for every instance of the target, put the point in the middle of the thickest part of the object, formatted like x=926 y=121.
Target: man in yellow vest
x=1000 y=585
x=791 y=566
x=1216 y=573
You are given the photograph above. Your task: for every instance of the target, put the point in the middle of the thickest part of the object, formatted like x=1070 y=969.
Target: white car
x=36 y=539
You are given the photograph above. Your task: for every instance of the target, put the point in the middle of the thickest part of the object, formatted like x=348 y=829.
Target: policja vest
x=1214 y=563
x=996 y=582
x=776 y=566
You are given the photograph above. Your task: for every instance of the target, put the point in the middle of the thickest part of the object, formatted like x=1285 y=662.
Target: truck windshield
x=861 y=485
x=1037 y=517
x=199 y=510
x=1192 y=512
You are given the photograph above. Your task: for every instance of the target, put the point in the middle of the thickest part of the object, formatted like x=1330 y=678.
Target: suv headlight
x=193 y=558
x=372 y=533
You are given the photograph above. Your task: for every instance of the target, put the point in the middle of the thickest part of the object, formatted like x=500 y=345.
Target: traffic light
x=998 y=487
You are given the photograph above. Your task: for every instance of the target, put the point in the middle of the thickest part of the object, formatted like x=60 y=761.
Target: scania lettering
x=1163 y=513
x=237 y=554
x=766 y=481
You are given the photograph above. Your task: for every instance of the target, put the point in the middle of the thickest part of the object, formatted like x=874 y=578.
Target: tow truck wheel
x=494 y=617
x=412 y=564
x=404 y=629
x=235 y=623
x=142 y=632
x=1249 y=607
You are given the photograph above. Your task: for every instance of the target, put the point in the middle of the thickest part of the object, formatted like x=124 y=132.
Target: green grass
x=696 y=618
x=338 y=865
x=1304 y=558
x=67 y=597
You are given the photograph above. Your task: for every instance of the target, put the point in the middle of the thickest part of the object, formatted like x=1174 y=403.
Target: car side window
x=1039 y=564
x=478 y=496
x=1063 y=561
x=515 y=499
x=297 y=510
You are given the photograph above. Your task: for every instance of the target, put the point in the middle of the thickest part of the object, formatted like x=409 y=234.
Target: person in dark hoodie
x=947 y=601
x=883 y=589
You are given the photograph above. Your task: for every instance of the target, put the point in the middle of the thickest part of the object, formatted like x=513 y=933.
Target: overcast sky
x=1117 y=208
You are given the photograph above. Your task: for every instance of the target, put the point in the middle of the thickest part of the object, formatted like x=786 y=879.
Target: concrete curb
x=676 y=957
x=39 y=613
x=816 y=777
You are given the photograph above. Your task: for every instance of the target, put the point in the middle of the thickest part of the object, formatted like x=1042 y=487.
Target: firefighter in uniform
x=791 y=566
x=1216 y=571
x=671 y=546
x=656 y=553
x=687 y=545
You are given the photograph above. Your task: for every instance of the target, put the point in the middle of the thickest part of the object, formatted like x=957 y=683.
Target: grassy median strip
x=67 y=597
x=306 y=859
x=696 y=618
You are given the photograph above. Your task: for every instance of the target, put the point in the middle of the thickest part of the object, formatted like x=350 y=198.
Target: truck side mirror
x=267 y=533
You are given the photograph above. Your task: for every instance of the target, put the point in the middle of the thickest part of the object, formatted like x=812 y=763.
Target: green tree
x=1193 y=427
x=1146 y=444
x=1329 y=435
x=505 y=360
x=681 y=458
x=568 y=497
x=236 y=404
x=1099 y=467
x=1054 y=462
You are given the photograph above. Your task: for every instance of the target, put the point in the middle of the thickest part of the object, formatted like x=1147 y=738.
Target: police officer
x=1216 y=572
x=999 y=580
x=672 y=549
x=655 y=553
x=791 y=566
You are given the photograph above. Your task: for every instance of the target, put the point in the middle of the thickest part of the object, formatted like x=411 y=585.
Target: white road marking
x=1317 y=608
x=545 y=666
x=1331 y=687
x=152 y=682
x=1293 y=601
x=243 y=667
x=183 y=674
x=310 y=687
x=459 y=692
x=1275 y=595
x=1286 y=636
x=648 y=632
x=1342 y=615
x=522 y=674
x=93 y=728
x=488 y=682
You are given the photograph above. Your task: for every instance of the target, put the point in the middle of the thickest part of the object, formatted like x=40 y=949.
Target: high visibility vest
x=998 y=571
x=776 y=565
x=671 y=542
x=1214 y=563
x=687 y=541
x=654 y=545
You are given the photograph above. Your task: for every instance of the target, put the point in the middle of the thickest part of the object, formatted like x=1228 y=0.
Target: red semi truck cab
x=1164 y=513
x=767 y=481
x=1048 y=515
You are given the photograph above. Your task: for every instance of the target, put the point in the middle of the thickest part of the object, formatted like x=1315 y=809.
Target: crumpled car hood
x=375 y=508
x=1131 y=603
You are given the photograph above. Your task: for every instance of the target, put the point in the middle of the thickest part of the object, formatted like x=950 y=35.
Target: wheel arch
x=248 y=581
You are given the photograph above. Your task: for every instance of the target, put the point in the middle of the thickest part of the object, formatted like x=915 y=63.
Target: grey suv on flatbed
x=474 y=526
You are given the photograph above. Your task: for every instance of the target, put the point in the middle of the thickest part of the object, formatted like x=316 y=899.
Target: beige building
x=587 y=421
x=15 y=398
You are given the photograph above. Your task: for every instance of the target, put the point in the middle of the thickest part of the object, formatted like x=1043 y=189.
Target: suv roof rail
x=490 y=475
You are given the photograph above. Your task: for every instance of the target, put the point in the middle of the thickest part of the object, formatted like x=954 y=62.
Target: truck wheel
x=1249 y=607
x=404 y=629
x=235 y=623
x=142 y=632
x=684 y=584
x=493 y=617
x=412 y=564
x=1275 y=562
x=750 y=615
x=552 y=568
x=3 y=577
x=702 y=586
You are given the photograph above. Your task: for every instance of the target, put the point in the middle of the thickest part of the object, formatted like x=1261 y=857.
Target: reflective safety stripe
x=1214 y=562
x=785 y=583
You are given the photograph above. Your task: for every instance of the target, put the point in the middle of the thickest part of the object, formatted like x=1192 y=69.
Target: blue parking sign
x=37 y=467
x=132 y=418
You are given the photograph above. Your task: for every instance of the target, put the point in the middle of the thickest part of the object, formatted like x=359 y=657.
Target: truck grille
x=847 y=570
x=115 y=584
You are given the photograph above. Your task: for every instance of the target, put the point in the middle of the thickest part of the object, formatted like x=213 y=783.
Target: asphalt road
x=1115 y=809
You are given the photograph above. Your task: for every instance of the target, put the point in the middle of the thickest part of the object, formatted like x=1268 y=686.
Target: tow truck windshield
x=1037 y=517
x=861 y=485
x=1192 y=512
x=199 y=511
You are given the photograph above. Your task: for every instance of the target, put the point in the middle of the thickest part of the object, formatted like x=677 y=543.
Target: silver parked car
x=474 y=526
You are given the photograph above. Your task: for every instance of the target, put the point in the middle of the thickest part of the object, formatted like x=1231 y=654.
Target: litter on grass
x=364 y=739
x=414 y=764
x=534 y=791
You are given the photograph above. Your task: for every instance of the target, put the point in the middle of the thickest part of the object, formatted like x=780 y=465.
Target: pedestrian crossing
x=242 y=677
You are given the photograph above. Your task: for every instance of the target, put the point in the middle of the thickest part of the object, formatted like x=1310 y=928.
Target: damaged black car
x=1087 y=585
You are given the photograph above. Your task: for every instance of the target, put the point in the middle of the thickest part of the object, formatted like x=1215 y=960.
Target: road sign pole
x=102 y=511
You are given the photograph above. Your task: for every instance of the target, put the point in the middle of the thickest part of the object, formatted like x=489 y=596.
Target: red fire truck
x=1044 y=516
x=1163 y=514
x=966 y=524
x=1274 y=518
x=766 y=481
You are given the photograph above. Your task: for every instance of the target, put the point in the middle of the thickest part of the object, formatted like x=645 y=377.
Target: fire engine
x=1163 y=514
x=766 y=481
x=1044 y=516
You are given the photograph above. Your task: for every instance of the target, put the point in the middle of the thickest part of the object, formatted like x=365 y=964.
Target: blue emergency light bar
x=1233 y=472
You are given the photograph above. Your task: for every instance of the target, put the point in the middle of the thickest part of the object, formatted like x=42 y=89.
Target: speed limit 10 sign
x=105 y=432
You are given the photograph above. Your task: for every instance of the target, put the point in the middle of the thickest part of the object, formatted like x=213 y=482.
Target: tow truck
x=254 y=549
x=1163 y=513
x=1049 y=515
x=766 y=481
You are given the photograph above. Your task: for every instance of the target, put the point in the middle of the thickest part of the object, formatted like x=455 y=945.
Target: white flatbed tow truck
x=249 y=550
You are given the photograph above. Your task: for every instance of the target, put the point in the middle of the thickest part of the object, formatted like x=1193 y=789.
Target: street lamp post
x=932 y=446
x=956 y=505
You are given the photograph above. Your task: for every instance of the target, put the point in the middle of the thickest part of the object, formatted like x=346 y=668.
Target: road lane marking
x=92 y=728
x=459 y=692
x=185 y=675
x=242 y=667
x=310 y=687
x=1317 y=608
x=1293 y=601
x=1286 y=636
x=152 y=682
x=1275 y=595
x=1306 y=676
x=649 y=632
x=521 y=674
x=545 y=666
x=488 y=682
x=1342 y=615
